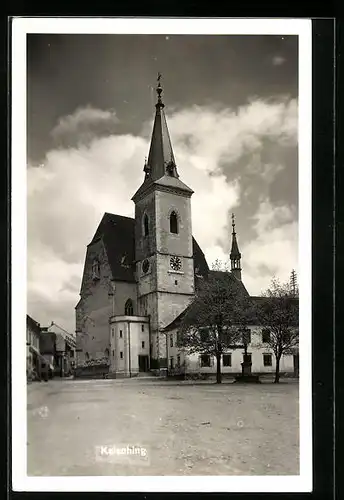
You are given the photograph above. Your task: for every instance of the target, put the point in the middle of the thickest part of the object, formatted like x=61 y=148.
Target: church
x=141 y=273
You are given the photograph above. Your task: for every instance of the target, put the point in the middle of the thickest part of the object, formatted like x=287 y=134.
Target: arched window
x=87 y=356
x=129 y=308
x=145 y=225
x=173 y=223
x=107 y=353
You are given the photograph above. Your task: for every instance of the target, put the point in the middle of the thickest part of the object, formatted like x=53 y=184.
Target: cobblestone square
x=75 y=428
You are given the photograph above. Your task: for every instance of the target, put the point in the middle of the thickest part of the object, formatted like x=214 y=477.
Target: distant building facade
x=262 y=357
x=65 y=350
x=33 y=356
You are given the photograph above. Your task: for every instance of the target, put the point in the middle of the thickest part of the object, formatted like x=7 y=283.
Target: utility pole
x=293 y=283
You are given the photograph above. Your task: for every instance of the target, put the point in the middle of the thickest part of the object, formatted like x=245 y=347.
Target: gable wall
x=98 y=304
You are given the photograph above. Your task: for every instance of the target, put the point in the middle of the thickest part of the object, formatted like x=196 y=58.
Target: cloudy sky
x=232 y=111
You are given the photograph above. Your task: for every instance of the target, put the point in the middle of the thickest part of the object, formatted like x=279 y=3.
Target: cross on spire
x=233 y=223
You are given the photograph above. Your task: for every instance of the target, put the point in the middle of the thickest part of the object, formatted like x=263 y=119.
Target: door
x=143 y=363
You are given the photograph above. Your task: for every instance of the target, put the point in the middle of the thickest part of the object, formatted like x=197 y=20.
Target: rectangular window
x=171 y=363
x=120 y=334
x=205 y=360
x=143 y=344
x=112 y=332
x=266 y=335
x=121 y=354
x=113 y=353
x=227 y=360
x=142 y=328
x=267 y=359
x=171 y=340
x=178 y=360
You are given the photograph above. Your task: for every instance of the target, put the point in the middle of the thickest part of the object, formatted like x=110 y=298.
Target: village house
x=33 y=355
x=65 y=345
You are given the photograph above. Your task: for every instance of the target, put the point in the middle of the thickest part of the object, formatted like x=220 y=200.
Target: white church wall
x=127 y=335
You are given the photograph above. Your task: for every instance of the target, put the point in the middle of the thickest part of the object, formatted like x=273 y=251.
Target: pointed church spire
x=160 y=169
x=161 y=159
x=235 y=255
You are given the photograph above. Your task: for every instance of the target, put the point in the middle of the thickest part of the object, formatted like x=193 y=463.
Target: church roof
x=165 y=181
x=235 y=254
x=161 y=168
x=237 y=284
x=160 y=152
x=118 y=235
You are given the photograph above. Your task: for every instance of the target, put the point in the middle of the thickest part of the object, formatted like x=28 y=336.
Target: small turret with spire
x=235 y=255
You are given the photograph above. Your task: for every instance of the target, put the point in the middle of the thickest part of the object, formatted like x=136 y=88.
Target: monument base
x=248 y=379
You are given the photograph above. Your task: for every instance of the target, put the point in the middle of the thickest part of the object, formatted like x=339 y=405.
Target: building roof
x=237 y=285
x=118 y=235
x=165 y=181
x=33 y=324
x=62 y=333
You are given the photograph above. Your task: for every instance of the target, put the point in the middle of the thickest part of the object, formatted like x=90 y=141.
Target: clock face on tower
x=175 y=263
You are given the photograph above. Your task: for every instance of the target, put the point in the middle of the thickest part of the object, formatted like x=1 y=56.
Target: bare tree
x=215 y=319
x=278 y=314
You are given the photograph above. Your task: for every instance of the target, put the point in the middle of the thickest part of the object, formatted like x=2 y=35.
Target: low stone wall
x=92 y=371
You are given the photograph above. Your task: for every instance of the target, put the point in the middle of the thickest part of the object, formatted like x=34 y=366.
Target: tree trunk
x=277 y=372
x=218 y=369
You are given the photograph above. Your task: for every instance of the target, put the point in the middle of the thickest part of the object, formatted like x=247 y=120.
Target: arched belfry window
x=129 y=308
x=145 y=225
x=173 y=223
x=107 y=353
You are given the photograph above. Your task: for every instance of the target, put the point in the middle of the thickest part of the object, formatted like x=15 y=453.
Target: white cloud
x=68 y=196
x=274 y=250
x=278 y=60
x=84 y=124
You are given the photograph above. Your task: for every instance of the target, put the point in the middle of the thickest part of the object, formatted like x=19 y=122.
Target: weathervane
x=159 y=91
x=233 y=222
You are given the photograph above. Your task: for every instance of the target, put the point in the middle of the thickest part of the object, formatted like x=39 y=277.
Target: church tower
x=163 y=238
x=235 y=255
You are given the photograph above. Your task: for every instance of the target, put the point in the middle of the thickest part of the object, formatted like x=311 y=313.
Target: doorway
x=296 y=365
x=143 y=363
